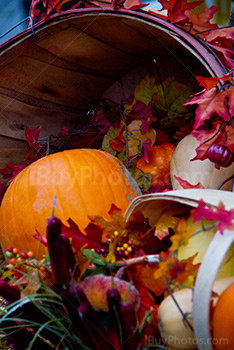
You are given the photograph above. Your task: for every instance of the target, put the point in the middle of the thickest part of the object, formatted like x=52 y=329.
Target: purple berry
x=24 y=255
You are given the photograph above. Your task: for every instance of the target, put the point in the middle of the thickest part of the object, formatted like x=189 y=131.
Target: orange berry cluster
x=15 y=256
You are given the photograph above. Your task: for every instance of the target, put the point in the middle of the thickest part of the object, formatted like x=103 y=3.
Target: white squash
x=196 y=171
x=174 y=331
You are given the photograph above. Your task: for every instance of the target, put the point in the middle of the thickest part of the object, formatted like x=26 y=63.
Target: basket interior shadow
x=77 y=56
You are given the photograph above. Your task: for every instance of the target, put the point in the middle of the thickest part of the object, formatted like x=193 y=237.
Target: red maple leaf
x=63 y=5
x=147 y=304
x=32 y=135
x=210 y=102
x=209 y=83
x=177 y=8
x=129 y=4
x=200 y=22
x=64 y=132
x=221 y=41
x=41 y=9
x=147 y=118
x=146 y=147
x=185 y=184
x=11 y=170
x=36 y=149
x=40 y=238
x=80 y=240
x=37 y=10
x=223 y=217
x=217 y=135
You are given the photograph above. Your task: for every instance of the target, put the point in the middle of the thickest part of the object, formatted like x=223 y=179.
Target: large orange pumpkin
x=85 y=181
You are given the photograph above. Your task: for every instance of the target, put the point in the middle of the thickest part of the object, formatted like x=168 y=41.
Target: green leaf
x=122 y=155
x=96 y=271
x=143 y=180
x=111 y=134
x=96 y=259
x=144 y=91
x=132 y=170
x=169 y=99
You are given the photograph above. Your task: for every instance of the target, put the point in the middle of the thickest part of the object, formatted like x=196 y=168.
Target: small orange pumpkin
x=85 y=181
x=158 y=165
x=222 y=320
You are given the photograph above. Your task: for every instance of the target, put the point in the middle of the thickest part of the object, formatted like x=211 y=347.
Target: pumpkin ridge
x=76 y=182
x=100 y=164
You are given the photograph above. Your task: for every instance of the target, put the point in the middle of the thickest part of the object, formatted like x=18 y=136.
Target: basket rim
x=192 y=44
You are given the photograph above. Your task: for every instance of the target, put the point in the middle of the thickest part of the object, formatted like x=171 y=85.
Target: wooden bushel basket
x=76 y=57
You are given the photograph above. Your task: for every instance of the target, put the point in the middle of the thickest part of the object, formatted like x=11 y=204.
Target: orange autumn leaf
x=143 y=274
x=168 y=220
x=119 y=141
x=209 y=83
x=135 y=229
x=182 y=269
x=175 y=270
x=181 y=236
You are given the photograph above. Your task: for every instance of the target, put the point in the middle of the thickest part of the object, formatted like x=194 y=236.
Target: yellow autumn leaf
x=136 y=139
x=182 y=235
x=169 y=218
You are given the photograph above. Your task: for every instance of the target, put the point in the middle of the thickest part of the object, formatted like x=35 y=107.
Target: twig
x=145 y=259
x=178 y=306
x=228 y=179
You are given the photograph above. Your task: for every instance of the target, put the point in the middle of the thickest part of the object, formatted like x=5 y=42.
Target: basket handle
x=209 y=268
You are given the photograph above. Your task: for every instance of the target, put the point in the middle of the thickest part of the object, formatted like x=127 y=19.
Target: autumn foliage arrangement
x=100 y=287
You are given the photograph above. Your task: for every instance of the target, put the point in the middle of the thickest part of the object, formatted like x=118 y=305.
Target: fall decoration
x=183 y=166
x=112 y=298
x=86 y=276
x=85 y=182
x=175 y=316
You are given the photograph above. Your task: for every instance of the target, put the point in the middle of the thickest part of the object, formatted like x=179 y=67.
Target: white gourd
x=175 y=333
x=196 y=171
